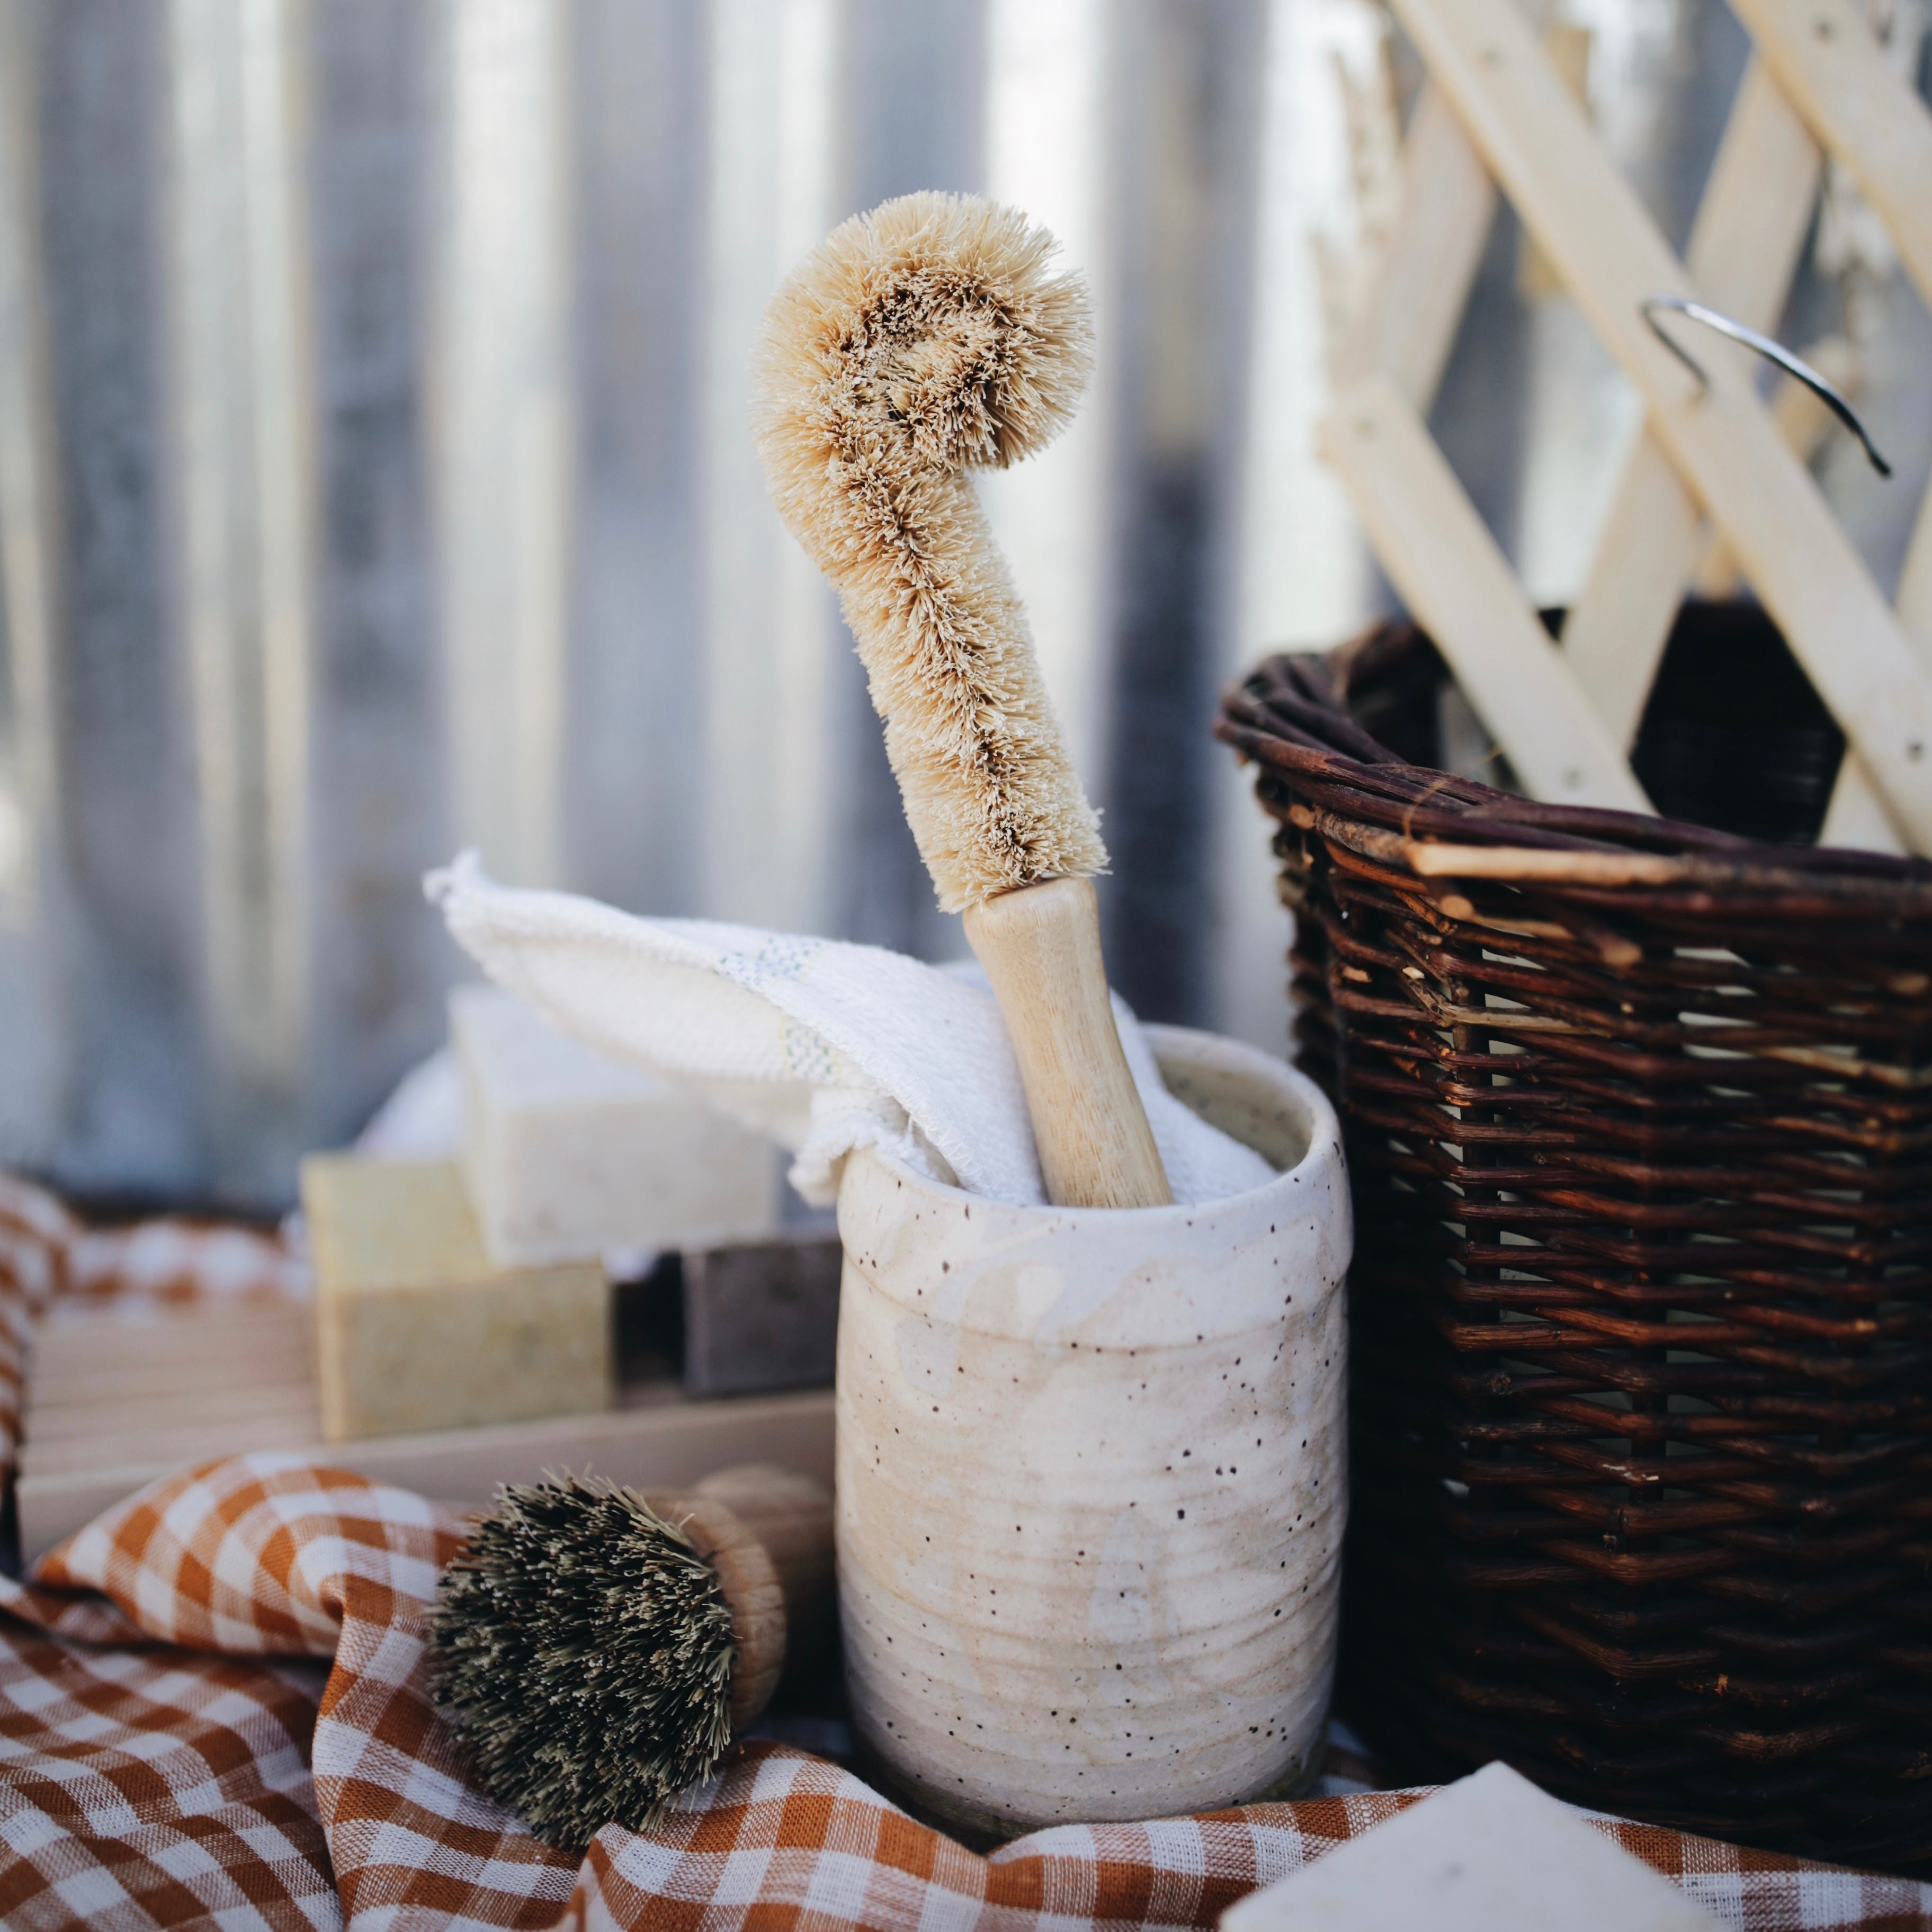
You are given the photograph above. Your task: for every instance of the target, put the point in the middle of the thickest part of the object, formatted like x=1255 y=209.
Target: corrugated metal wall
x=375 y=478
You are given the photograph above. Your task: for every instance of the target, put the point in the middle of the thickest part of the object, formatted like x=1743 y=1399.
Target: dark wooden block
x=761 y=1315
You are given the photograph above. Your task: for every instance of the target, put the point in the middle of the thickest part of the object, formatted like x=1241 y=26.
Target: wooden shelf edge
x=667 y=1445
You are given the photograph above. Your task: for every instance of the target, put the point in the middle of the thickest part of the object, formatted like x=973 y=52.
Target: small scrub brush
x=597 y=1650
x=920 y=342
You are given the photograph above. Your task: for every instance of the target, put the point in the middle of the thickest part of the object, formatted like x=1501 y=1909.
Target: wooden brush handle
x=791 y=1515
x=751 y=1592
x=1040 y=946
x=767 y=1533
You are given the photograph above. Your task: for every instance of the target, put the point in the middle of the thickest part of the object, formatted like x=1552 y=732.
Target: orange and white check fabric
x=215 y=1712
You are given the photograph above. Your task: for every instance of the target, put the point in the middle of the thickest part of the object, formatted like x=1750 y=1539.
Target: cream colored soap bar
x=567 y=1155
x=1488 y=1854
x=416 y=1329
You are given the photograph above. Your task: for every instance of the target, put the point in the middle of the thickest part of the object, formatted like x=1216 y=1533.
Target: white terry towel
x=824 y=1046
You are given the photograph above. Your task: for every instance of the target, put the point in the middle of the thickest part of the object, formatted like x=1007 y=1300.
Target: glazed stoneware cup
x=1091 y=1475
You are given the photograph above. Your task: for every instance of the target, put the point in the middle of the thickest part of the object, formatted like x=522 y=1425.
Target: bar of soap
x=762 y=1315
x=1489 y=1852
x=416 y=1329
x=567 y=1155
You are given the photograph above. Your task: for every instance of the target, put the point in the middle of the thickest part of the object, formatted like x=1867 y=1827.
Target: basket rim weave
x=1290 y=715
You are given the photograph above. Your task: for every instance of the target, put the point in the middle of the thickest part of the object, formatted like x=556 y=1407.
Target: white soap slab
x=567 y=1155
x=1491 y=1853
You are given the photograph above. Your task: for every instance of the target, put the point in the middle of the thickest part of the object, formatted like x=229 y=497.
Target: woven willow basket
x=1640 y=1121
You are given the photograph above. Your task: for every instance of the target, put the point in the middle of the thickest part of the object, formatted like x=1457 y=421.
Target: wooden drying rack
x=1495 y=114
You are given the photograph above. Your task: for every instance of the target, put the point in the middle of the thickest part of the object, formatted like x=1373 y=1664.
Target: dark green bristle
x=583 y=1651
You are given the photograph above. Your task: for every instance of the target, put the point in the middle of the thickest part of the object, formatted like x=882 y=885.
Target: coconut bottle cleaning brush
x=920 y=342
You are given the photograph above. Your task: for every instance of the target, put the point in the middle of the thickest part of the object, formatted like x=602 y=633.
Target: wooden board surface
x=114 y=1403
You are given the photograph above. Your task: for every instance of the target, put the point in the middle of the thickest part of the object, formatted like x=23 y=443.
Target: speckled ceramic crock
x=1091 y=1482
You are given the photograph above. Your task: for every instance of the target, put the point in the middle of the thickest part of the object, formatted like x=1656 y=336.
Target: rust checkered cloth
x=214 y=1712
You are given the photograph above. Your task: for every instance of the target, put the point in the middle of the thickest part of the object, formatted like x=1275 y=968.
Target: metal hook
x=1772 y=352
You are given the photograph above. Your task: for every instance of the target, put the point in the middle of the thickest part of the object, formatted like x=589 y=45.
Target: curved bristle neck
x=923 y=340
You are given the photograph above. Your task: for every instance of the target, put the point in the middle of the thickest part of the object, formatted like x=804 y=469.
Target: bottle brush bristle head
x=582 y=1650
x=921 y=341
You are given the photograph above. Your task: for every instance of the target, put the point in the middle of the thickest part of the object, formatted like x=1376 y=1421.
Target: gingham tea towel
x=215 y=1713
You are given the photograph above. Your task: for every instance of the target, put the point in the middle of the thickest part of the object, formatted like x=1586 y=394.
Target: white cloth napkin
x=824 y=1046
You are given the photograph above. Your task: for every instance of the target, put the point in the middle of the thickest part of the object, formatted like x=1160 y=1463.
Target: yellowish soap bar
x=415 y=1329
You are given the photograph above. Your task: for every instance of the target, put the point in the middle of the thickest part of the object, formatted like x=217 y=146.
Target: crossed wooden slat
x=1495 y=112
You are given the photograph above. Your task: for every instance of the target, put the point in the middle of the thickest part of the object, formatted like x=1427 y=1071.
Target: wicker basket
x=1639 y=1119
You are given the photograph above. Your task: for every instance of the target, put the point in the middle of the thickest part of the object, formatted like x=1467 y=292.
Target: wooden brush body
x=767 y=1532
x=1041 y=948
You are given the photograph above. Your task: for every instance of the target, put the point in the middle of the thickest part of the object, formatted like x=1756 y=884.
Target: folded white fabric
x=826 y=1047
